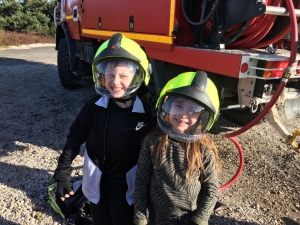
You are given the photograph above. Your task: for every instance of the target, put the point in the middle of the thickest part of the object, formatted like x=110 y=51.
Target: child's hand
x=64 y=190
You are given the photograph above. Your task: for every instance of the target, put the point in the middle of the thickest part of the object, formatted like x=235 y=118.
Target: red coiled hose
x=292 y=59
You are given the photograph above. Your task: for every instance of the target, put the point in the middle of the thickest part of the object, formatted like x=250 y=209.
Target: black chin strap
x=124 y=100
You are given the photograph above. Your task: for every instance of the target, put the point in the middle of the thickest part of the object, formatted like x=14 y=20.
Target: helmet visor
x=117 y=78
x=182 y=119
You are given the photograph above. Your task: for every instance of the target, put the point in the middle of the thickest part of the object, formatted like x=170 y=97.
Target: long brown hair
x=193 y=153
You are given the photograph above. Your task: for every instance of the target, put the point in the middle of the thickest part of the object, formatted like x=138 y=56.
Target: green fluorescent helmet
x=196 y=87
x=119 y=49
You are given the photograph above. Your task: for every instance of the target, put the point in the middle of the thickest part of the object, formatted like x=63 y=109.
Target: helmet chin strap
x=125 y=100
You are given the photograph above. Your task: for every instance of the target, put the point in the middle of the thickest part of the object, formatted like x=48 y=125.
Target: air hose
x=202 y=21
x=286 y=74
x=237 y=34
x=264 y=30
x=239 y=171
x=250 y=34
x=275 y=38
x=284 y=80
x=258 y=31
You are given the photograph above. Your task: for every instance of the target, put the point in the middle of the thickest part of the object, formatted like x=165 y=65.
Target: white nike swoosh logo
x=139 y=127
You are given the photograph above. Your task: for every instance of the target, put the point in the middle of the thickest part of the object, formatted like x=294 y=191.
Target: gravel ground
x=36 y=113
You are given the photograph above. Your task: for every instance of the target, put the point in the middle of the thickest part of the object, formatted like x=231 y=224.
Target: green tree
x=9 y=7
x=28 y=22
x=30 y=16
x=43 y=6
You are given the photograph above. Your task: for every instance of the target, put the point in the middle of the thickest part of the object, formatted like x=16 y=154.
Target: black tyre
x=66 y=77
x=162 y=73
x=240 y=116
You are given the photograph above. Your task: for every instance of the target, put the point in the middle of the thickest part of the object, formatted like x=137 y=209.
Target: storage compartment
x=152 y=17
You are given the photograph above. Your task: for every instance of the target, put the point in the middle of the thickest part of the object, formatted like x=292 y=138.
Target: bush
x=27 y=22
x=1 y=24
x=9 y=7
x=34 y=16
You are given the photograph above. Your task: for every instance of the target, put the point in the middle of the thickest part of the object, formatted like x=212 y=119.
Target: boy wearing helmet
x=111 y=126
x=177 y=180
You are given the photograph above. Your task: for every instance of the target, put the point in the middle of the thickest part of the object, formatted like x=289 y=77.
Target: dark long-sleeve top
x=165 y=186
x=114 y=156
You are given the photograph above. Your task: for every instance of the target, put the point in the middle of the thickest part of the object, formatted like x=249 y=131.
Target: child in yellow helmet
x=112 y=126
x=177 y=179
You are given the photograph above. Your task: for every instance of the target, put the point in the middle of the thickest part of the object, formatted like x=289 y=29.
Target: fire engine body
x=189 y=35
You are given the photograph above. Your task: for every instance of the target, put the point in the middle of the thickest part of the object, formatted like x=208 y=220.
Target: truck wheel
x=162 y=73
x=240 y=116
x=66 y=77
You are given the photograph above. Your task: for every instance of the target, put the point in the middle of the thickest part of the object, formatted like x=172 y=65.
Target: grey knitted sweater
x=162 y=194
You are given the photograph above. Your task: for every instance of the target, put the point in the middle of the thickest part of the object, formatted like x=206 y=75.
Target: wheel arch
x=60 y=34
x=62 y=31
x=163 y=71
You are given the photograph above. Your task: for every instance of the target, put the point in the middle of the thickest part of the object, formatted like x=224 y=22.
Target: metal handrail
x=280 y=11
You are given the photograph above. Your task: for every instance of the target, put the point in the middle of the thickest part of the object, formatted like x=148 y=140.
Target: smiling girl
x=177 y=180
x=111 y=125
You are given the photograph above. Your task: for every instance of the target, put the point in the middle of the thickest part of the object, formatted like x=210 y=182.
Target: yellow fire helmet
x=122 y=56
x=188 y=106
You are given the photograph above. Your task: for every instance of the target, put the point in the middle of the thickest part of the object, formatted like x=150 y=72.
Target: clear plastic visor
x=183 y=119
x=117 y=77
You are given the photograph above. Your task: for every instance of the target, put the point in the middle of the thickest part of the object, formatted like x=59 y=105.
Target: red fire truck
x=248 y=48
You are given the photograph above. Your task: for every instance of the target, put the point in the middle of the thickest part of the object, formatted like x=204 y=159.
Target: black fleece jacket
x=90 y=127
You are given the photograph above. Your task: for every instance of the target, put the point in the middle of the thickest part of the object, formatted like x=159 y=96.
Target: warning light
x=244 y=67
x=276 y=68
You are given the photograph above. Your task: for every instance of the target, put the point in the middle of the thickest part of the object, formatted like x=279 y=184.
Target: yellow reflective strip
x=71 y=17
x=136 y=36
x=57 y=209
x=172 y=15
x=52 y=201
x=54 y=206
x=51 y=187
